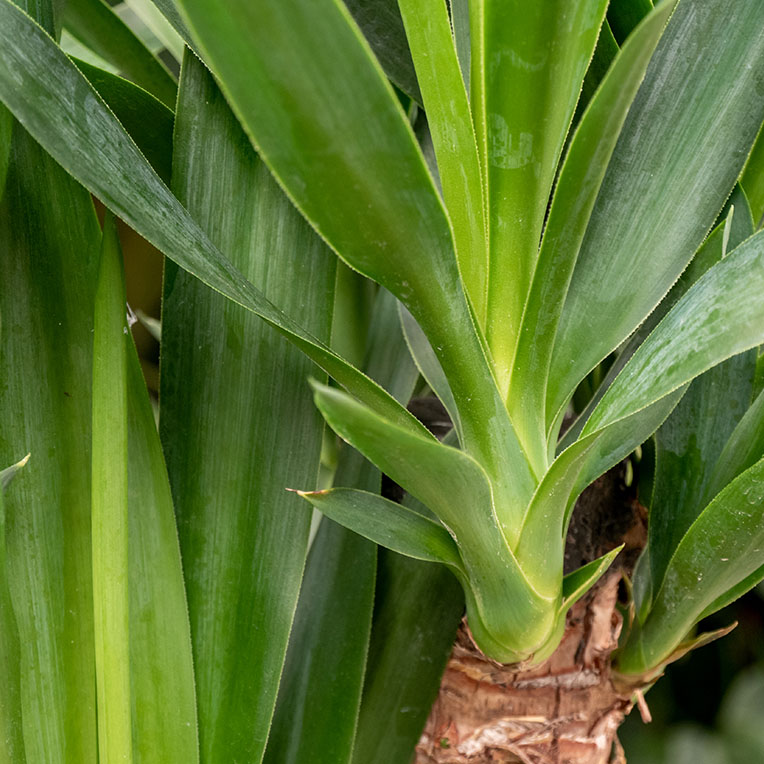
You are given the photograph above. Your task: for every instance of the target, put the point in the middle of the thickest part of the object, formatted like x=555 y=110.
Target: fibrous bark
x=566 y=710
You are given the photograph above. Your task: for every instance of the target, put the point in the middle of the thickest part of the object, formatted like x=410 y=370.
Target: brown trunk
x=565 y=711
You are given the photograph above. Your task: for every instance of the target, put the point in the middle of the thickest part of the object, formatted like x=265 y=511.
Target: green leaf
x=387 y=523
x=753 y=180
x=158 y=25
x=354 y=158
x=49 y=257
x=320 y=690
x=109 y=505
x=541 y=547
x=148 y=122
x=624 y=15
x=723 y=546
x=446 y=481
x=97 y=26
x=11 y=730
x=580 y=179
x=98 y=152
x=237 y=421
x=577 y=583
x=324 y=670
x=743 y=449
x=417 y=609
x=382 y=26
x=704 y=328
x=679 y=153
x=161 y=664
x=534 y=62
x=448 y=114
x=170 y=12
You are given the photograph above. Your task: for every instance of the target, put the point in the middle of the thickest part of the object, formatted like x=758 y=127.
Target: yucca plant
x=545 y=215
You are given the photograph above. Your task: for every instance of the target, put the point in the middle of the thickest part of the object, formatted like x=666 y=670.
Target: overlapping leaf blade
x=704 y=328
x=691 y=127
x=97 y=26
x=50 y=97
x=577 y=188
x=534 y=61
x=237 y=422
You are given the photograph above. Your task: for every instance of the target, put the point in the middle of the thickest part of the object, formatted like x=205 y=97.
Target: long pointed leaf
x=704 y=328
x=49 y=96
x=109 y=505
x=680 y=151
x=574 y=199
x=237 y=421
x=49 y=239
x=536 y=56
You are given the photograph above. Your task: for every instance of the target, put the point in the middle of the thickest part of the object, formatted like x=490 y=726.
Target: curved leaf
x=58 y=106
x=704 y=328
x=724 y=546
x=680 y=151
x=386 y=523
x=580 y=179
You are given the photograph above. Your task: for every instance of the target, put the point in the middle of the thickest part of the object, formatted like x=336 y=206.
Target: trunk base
x=565 y=711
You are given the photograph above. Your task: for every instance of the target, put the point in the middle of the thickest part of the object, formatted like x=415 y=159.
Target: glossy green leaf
x=543 y=534
x=355 y=157
x=753 y=180
x=577 y=188
x=325 y=665
x=98 y=152
x=161 y=663
x=704 y=328
x=535 y=59
x=237 y=422
x=49 y=240
x=624 y=15
x=680 y=151
x=382 y=26
x=707 y=255
x=11 y=729
x=448 y=114
x=109 y=505
x=447 y=480
x=417 y=609
x=386 y=523
x=689 y=443
x=743 y=449
x=157 y=25
x=577 y=583
x=97 y=26
x=148 y=122
x=723 y=546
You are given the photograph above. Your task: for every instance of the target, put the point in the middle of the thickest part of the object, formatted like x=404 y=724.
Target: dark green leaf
x=98 y=152
x=679 y=153
x=237 y=422
x=147 y=121
x=624 y=15
x=97 y=26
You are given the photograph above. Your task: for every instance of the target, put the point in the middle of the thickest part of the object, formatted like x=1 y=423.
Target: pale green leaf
x=387 y=523
x=577 y=583
x=574 y=199
x=109 y=505
x=535 y=59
